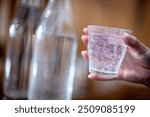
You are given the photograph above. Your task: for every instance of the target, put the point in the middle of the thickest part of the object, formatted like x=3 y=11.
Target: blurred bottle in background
x=19 y=49
x=54 y=54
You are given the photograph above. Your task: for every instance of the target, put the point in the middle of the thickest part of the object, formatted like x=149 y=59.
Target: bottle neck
x=64 y=4
x=53 y=3
x=57 y=18
x=62 y=7
x=31 y=3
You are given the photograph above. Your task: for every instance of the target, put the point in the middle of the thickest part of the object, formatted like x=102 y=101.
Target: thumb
x=138 y=50
x=135 y=45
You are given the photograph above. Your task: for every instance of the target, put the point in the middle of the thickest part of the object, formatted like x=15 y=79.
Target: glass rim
x=111 y=28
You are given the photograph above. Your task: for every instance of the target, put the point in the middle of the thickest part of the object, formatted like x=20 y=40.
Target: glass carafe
x=54 y=54
x=19 y=49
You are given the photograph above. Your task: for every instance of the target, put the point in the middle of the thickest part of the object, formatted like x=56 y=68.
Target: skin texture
x=136 y=64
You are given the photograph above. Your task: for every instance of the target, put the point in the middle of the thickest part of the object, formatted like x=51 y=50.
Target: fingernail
x=82 y=37
x=82 y=52
x=91 y=76
x=126 y=35
x=84 y=29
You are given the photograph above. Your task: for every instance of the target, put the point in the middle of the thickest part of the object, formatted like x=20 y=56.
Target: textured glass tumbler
x=106 y=50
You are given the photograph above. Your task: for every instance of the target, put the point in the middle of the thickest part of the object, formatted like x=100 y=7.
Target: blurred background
x=130 y=14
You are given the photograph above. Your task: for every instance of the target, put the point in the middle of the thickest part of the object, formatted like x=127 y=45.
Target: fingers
x=85 y=39
x=137 y=47
x=84 y=53
x=85 y=30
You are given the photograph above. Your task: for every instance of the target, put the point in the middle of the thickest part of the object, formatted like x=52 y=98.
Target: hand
x=136 y=64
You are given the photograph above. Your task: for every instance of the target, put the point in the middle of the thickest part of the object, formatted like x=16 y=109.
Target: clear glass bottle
x=53 y=62
x=19 y=49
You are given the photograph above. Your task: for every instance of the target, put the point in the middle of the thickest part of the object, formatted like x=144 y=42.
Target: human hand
x=136 y=64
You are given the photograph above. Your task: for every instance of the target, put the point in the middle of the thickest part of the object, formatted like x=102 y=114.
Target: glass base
x=104 y=74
